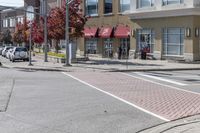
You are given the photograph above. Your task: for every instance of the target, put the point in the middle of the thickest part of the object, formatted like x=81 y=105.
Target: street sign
x=30 y=13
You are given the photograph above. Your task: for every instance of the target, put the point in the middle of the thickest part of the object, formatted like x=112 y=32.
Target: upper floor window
x=92 y=7
x=145 y=3
x=12 y=22
x=107 y=6
x=124 y=5
x=5 y=22
x=20 y=19
x=168 y=2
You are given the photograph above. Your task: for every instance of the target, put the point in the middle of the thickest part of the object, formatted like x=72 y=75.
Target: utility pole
x=67 y=34
x=45 y=30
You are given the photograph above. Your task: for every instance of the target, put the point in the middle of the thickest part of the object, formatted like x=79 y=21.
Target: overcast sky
x=15 y=3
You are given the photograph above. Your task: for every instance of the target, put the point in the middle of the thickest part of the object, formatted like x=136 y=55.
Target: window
x=145 y=3
x=107 y=6
x=124 y=47
x=12 y=22
x=5 y=22
x=124 y=5
x=91 y=46
x=145 y=40
x=173 y=41
x=168 y=2
x=92 y=7
x=108 y=47
x=20 y=19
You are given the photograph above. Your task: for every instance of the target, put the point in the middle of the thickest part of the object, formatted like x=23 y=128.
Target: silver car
x=1 y=49
x=5 y=50
x=19 y=53
x=8 y=53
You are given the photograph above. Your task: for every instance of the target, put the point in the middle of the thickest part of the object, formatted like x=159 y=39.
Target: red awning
x=105 y=32
x=122 y=31
x=90 y=32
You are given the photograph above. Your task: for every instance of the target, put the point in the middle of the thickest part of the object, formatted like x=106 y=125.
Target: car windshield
x=21 y=49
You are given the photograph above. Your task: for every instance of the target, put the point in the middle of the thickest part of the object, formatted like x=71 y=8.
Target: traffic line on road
x=161 y=79
x=116 y=97
x=172 y=87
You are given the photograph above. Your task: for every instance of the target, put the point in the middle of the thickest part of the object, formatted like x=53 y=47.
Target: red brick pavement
x=160 y=100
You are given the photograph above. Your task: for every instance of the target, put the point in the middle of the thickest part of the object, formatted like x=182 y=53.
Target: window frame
x=152 y=3
x=87 y=10
x=105 y=7
x=121 y=9
x=180 y=45
x=166 y=2
x=144 y=31
x=91 y=45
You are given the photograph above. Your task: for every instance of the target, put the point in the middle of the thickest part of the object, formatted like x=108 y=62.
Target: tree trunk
x=57 y=46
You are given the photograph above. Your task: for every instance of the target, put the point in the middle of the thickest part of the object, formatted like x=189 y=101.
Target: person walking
x=119 y=52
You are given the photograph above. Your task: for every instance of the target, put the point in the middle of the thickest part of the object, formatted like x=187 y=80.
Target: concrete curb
x=176 y=126
x=94 y=68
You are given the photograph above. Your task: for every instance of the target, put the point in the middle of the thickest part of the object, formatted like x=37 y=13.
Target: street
x=53 y=102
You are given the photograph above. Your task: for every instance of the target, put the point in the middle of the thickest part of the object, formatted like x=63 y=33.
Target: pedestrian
x=119 y=52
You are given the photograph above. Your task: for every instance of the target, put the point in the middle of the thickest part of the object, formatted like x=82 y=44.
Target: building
x=164 y=29
x=11 y=16
x=169 y=29
x=108 y=31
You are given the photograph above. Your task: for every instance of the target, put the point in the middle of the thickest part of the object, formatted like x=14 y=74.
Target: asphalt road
x=51 y=102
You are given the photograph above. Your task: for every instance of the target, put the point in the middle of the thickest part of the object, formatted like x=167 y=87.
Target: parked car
x=5 y=50
x=8 y=53
x=19 y=53
x=1 y=49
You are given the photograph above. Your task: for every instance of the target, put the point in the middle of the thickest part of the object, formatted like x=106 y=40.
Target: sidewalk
x=102 y=64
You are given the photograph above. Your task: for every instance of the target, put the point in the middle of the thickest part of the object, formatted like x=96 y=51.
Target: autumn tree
x=21 y=33
x=6 y=37
x=57 y=20
x=38 y=32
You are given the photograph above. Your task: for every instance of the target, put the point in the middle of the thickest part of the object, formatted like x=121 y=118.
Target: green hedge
x=56 y=54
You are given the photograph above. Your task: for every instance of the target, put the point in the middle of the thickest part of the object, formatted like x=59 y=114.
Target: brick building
x=107 y=30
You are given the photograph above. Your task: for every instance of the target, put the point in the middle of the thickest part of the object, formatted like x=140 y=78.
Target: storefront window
x=108 y=47
x=168 y=2
x=145 y=3
x=123 y=51
x=124 y=5
x=92 y=7
x=173 y=41
x=107 y=6
x=145 y=40
x=91 y=46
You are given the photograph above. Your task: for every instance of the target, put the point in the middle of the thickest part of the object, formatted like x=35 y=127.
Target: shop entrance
x=145 y=41
x=108 y=48
x=123 y=50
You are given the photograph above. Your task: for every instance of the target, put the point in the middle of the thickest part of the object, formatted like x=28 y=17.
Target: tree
x=57 y=18
x=7 y=38
x=38 y=32
x=21 y=33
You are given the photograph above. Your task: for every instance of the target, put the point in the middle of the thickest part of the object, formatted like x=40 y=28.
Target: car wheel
x=13 y=60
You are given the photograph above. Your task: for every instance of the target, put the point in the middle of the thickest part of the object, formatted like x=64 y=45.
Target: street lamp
x=30 y=17
x=67 y=61
x=45 y=30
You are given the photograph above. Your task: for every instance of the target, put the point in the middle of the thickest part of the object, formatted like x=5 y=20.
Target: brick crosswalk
x=161 y=100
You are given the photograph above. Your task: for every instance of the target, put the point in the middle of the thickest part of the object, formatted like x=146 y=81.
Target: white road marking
x=172 y=87
x=129 y=103
x=161 y=79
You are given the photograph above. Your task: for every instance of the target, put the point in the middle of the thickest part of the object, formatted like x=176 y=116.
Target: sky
x=15 y=3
